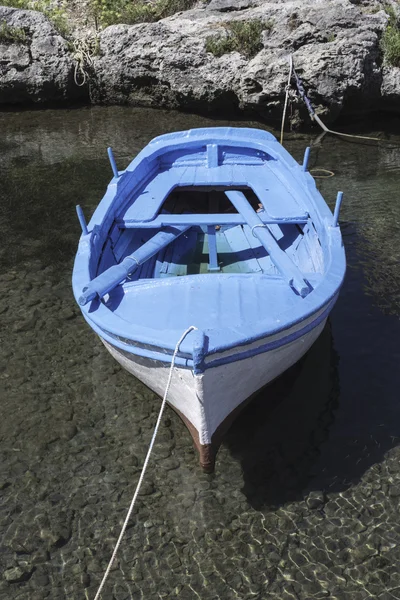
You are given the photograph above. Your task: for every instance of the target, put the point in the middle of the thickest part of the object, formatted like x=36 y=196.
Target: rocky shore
x=336 y=47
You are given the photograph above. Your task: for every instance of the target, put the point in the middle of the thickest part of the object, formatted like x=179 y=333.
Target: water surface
x=304 y=502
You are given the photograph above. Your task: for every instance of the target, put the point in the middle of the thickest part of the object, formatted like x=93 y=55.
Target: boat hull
x=209 y=402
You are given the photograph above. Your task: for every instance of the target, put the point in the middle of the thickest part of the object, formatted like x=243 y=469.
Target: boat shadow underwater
x=317 y=428
x=278 y=436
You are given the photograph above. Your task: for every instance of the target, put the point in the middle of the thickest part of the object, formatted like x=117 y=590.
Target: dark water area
x=305 y=499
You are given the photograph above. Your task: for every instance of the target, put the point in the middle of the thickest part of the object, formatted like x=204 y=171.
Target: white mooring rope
x=286 y=96
x=153 y=439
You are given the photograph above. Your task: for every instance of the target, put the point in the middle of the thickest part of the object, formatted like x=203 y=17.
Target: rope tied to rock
x=146 y=461
x=83 y=60
x=314 y=117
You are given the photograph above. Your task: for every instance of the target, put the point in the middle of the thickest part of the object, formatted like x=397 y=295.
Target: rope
x=78 y=66
x=136 y=260
x=287 y=96
x=328 y=173
x=350 y=135
x=83 y=58
x=315 y=117
x=258 y=225
x=303 y=95
x=124 y=526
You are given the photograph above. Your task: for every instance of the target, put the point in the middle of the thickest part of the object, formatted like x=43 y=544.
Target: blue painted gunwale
x=198 y=363
x=215 y=341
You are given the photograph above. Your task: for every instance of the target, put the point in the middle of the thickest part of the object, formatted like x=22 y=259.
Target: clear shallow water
x=304 y=502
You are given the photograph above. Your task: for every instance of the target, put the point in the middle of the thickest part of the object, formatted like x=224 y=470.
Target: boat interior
x=221 y=242
x=242 y=220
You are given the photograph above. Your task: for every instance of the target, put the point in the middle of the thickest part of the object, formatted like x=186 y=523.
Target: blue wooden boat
x=221 y=229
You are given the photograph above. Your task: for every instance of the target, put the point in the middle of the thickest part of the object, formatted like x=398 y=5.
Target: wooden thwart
x=205 y=220
x=260 y=230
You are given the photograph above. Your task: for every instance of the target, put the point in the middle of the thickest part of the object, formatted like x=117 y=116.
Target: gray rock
x=147 y=489
x=17 y=574
x=148 y=524
x=335 y=46
x=137 y=574
x=40 y=580
x=68 y=431
x=362 y=553
x=27 y=323
x=170 y=464
x=394 y=491
x=39 y=70
x=229 y=5
x=315 y=500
